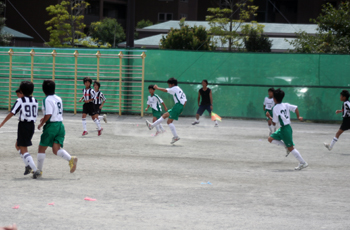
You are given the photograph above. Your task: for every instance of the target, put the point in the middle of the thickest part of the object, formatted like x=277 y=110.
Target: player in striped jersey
x=88 y=107
x=154 y=101
x=344 y=97
x=99 y=101
x=27 y=106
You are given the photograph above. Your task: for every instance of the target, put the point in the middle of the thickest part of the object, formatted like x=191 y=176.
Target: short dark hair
x=27 y=88
x=206 y=82
x=87 y=79
x=151 y=87
x=172 y=81
x=271 y=90
x=49 y=87
x=345 y=94
x=18 y=91
x=278 y=94
x=98 y=84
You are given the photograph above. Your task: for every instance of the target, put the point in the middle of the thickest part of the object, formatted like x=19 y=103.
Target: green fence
x=239 y=80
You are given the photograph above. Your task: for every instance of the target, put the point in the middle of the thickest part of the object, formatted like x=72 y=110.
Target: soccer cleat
x=216 y=125
x=37 y=173
x=73 y=164
x=327 y=146
x=174 y=140
x=287 y=152
x=99 y=132
x=195 y=123
x=28 y=170
x=85 y=133
x=301 y=166
x=105 y=118
x=149 y=125
x=157 y=133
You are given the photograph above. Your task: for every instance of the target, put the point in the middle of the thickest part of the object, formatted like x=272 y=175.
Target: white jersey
x=27 y=108
x=154 y=102
x=88 y=94
x=99 y=98
x=52 y=105
x=281 y=113
x=346 y=109
x=178 y=95
x=269 y=103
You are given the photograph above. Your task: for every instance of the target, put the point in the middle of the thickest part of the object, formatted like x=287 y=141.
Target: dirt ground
x=213 y=178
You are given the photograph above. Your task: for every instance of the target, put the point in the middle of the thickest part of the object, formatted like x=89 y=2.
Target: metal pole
x=120 y=81
x=54 y=53
x=10 y=52
x=76 y=54
x=98 y=55
x=32 y=53
x=130 y=25
x=143 y=55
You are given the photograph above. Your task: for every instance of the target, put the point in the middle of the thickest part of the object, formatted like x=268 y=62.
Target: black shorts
x=346 y=124
x=88 y=108
x=202 y=108
x=25 y=133
x=97 y=109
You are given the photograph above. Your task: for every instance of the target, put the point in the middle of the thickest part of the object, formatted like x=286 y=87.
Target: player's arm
x=298 y=115
x=147 y=107
x=211 y=100
x=339 y=111
x=264 y=107
x=8 y=117
x=81 y=99
x=165 y=108
x=44 y=120
x=161 y=89
x=199 y=97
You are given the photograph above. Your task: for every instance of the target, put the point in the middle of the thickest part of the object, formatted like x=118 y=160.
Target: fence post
x=98 y=55
x=120 y=81
x=32 y=53
x=54 y=53
x=76 y=54
x=143 y=56
x=10 y=52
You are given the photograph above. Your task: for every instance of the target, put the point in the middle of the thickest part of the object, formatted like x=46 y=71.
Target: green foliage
x=142 y=24
x=333 y=32
x=223 y=25
x=5 y=38
x=106 y=30
x=186 y=38
x=66 y=25
x=254 y=40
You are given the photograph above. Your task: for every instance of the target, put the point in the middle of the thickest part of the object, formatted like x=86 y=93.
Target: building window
x=165 y=17
x=183 y=16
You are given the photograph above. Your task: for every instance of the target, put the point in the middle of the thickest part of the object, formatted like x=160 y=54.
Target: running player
x=284 y=135
x=53 y=132
x=268 y=105
x=173 y=113
x=154 y=101
x=344 y=97
x=99 y=101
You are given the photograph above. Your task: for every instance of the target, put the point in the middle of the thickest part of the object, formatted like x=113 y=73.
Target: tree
x=142 y=24
x=333 y=32
x=66 y=25
x=223 y=24
x=107 y=31
x=5 y=38
x=254 y=39
x=186 y=38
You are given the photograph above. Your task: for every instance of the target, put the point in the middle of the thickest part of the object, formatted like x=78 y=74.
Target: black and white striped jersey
x=99 y=98
x=27 y=108
x=346 y=109
x=88 y=94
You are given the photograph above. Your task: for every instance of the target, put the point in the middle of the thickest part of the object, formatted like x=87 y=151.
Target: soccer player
x=53 y=132
x=154 y=101
x=344 y=97
x=173 y=113
x=19 y=93
x=268 y=105
x=206 y=103
x=284 y=135
x=27 y=106
x=99 y=101
x=88 y=107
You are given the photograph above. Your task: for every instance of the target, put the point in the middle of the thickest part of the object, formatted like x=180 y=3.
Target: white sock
x=40 y=160
x=100 y=117
x=29 y=159
x=157 y=127
x=84 y=124
x=161 y=127
x=274 y=128
x=298 y=156
x=64 y=154
x=98 y=124
x=157 y=122
x=279 y=143
x=173 y=130
x=270 y=127
x=216 y=122
x=333 y=142
x=25 y=162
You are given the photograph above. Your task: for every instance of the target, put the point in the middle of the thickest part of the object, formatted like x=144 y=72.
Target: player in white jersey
x=99 y=101
x=284 y=135
x=155 y=102
x=53 y=132
x=344 y=97
x=173 y=113
x=268 y=105
x=27 y=106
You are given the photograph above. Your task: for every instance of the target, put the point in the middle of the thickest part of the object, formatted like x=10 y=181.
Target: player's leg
x=302 y=163
x=173 y=131
x=157 y=122
x=41 y=156
x=157 y=127
x=276 y=138
x=199 y=113
x=72 y=160
x=334 y=140
x=215 y=121
x=85 y=132
x=28 y=158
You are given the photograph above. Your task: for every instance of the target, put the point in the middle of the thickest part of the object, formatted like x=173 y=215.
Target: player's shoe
x=37 y=173
x=85 y=133
x=149 y=125
x=301 y=166
x=287 y=152
x=105 y=118
x=157 y=133
x=216 y=125
x=174 y=140
x=99 y=132
x=73 y=164
x=195 y=123
x=28 y=170
x=328 y=146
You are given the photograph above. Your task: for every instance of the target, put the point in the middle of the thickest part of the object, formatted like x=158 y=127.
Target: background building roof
x=15 y=33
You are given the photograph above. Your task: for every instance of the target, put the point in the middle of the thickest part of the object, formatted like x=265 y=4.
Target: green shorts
x=175 y=111
x=156 y=114
x=53 y=133
x=285 y=134
x=270 y=112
